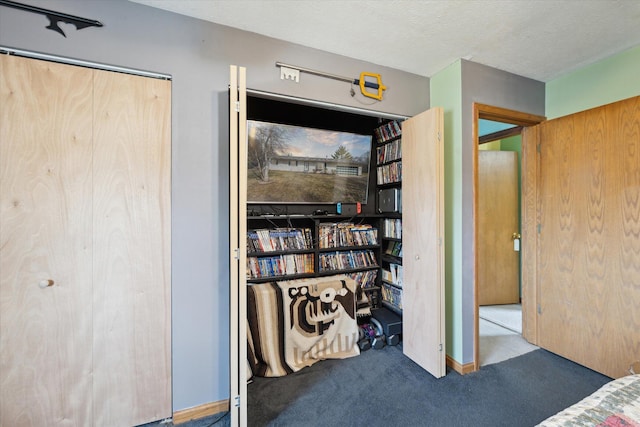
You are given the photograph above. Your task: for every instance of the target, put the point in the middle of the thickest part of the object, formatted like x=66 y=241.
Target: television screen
x=298 y=164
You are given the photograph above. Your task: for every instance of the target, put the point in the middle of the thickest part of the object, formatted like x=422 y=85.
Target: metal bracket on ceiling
x=54 y=17
x=287 y=73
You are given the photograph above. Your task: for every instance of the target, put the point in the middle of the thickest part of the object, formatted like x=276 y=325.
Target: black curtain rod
x=54 y=17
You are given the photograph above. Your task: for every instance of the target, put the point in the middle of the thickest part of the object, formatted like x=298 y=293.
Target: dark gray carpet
x=385 y=388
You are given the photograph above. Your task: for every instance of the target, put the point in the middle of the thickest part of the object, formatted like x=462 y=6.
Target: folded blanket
x=615 y=404
x=295 y=323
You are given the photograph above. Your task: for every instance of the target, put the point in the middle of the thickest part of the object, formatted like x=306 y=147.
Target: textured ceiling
x=540 y=39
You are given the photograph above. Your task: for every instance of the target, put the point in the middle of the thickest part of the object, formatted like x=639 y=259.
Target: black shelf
x=393 y=216
x=392 y=307
x=392 y=259
x=278 y=278
x=391 y=131
x=394 y=184
x=388 y=163
x=275 y=253
x=349 y=248
x=330 y=216
x=347 y=271
x=386 y=141
x=392 y=284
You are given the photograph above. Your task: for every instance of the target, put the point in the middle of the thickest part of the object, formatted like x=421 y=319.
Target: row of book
x=279 y=239
x=365 y=279
x=335 y=235
x=346 y=260
x=389 y=152
x=394 y=248
x=393 y=274
x=392 y=295
x=392 y=228
x=390 y=173
x=280 y=265
x=387 y=131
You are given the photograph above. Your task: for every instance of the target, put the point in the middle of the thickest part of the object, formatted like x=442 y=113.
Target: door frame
x=529 y=172
x=237 y=247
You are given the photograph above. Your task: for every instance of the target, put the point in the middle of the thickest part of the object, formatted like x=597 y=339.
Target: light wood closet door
x=589 y=245
x=45 y=239
x=85 y=208
x=423 y=322
x=132 y=247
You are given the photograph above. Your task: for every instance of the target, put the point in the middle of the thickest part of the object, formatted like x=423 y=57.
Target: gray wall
x=197 y=54
x=498 y=88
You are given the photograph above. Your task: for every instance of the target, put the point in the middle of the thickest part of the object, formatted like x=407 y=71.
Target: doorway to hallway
x=496 y=337
x=501 y=333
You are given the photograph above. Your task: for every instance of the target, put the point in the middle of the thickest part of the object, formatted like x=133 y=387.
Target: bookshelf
x=285 y=247
x=389 y=182
x=279 y=251
x=388 y=153
x=391 y=264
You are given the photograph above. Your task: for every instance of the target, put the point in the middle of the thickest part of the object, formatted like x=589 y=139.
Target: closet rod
x=323 y=104
x=71 y=61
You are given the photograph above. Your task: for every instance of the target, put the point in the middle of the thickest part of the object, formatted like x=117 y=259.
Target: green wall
x=446 y=92
x=455 y=89
x=612 y=79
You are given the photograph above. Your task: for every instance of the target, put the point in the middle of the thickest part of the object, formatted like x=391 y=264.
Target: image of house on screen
x=345 y=167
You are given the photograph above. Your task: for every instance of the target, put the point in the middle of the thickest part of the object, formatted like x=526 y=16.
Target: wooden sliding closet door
x=132 y=249
x=46 y=248
x=84 y=246
x=589 y=245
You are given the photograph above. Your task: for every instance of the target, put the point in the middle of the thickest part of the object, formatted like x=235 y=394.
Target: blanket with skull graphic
x=295 y=323
x=319 y=320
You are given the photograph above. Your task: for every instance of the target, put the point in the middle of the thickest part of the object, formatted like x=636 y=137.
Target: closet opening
x=306 y=228
x=301 y=311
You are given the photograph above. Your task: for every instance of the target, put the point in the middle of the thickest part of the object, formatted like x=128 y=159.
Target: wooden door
x=588 y=246
x=237 y=244
x=423 y=321
x=84 y=246
x=132 y=252
x=498 y=261
x=46 y=249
